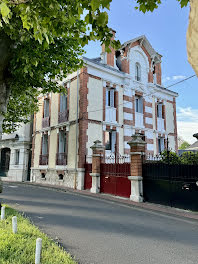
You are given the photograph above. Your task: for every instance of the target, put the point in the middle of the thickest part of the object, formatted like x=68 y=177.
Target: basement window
x=60 y=176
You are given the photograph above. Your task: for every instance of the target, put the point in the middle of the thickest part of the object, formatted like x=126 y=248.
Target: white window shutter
x=112 y=98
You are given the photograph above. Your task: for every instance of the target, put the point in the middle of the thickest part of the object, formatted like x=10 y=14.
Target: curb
x=119 y=200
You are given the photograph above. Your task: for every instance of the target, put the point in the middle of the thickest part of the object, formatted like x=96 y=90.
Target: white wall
x=95 y=99
x=169 y=118
x=94 y=132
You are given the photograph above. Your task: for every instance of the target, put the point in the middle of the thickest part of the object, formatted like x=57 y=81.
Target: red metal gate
x=114 y=179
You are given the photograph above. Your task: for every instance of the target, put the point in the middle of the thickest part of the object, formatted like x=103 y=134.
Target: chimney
x=109 y=58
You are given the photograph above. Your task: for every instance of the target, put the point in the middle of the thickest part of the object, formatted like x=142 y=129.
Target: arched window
x=137 y=72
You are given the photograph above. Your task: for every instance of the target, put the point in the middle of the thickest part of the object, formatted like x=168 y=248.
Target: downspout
x=75 y=175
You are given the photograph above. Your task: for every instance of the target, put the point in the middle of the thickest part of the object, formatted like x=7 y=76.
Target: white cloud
x=187 y=123
x=178 y=77
x=187 y=114
x=173 y=78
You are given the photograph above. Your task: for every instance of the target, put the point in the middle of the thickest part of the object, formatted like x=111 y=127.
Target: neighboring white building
x=15 y=155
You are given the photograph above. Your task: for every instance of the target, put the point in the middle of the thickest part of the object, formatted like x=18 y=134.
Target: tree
x=41 y=42
x=184 y=145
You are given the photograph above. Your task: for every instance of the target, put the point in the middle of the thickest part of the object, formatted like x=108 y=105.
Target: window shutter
x=113 y=141
x=112 y=98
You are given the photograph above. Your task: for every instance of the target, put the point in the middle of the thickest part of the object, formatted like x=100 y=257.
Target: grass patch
x=20 y=248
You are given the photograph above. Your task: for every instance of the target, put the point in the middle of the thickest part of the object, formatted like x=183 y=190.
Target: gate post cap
x=97 y=145
x=136 y=140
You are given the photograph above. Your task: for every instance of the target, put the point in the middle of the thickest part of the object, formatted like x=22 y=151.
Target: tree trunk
x=5 y=53
x=4 y=96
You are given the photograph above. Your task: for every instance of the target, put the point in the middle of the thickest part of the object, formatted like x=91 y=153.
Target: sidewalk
x=120 y=200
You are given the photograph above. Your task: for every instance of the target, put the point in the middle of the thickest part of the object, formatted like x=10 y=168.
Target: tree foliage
x=46 y=40
x=170 y=157
x=184 y=145
x=151 y=5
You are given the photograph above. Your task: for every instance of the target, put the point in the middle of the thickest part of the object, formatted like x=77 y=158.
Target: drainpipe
x=75 y=175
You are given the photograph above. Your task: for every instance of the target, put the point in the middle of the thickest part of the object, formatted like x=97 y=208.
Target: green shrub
x=189 y=158
x=170 y=157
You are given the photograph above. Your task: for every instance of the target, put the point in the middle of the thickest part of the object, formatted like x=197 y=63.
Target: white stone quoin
x=136 y=189
x=95 y=182
x=81 y=177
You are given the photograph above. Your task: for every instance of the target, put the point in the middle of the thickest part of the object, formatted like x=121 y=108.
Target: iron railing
x=61 y=159
x=63 y=116
x=45 y=122
x=43 y=159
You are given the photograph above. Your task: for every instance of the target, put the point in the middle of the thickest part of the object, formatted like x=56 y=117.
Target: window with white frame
x=139 y=104
x=17 y=155
x=161 y=145
x=63 y=102
x=110 y=140
x=46 y=108
x=110 y=97
x=159 y=110
x=137 y=72
x=62 y=142
x=45 y=145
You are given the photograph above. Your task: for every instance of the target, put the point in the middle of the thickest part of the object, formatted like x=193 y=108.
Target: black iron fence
x=174 y=185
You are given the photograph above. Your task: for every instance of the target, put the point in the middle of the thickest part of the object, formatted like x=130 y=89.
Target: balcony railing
x=61 y=159
x=46 y=122
x=63 y=116
x=160 y=124
x=110 y=114
x=139 y=119
x=43 y=159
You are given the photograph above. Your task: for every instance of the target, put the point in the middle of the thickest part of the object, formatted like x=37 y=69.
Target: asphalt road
x=99 y=231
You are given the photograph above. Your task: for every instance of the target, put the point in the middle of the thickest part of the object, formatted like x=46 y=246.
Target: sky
x=165 y=29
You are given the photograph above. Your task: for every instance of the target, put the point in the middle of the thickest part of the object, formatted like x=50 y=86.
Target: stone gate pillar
x=137 y=149
x=97 y=153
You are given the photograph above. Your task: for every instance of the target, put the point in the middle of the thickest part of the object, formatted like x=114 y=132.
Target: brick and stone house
x=109 y=99
x=15 y=154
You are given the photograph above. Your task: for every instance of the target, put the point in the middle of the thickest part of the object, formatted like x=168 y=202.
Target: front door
x=5 y=159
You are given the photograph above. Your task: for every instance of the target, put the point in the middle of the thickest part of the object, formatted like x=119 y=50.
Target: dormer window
x=137 y=72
